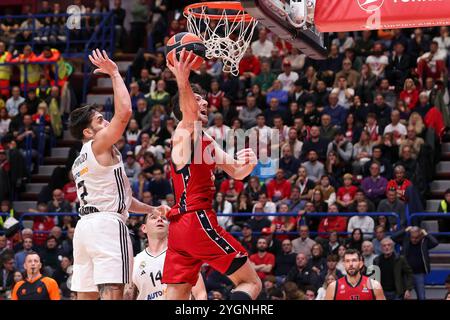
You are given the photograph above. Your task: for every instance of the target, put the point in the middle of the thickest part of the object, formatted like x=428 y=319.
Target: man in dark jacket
x=396 y=274
x=302 y=274
x=416 y=244
x=285 y=261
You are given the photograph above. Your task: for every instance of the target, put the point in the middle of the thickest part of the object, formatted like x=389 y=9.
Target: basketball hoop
x=225 y=29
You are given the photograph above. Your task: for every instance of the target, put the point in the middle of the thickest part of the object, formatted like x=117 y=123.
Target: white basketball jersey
x=100 y=188
x=147 y=275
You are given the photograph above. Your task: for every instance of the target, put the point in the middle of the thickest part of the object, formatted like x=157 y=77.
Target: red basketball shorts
x=196 y=238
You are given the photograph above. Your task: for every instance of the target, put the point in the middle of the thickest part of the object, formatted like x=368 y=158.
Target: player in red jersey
x=354 y=286
x=195 y=237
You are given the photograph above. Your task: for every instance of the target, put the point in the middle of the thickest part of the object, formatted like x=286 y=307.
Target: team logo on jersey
x=365 y=290
x=142 y=265
x=370 y=5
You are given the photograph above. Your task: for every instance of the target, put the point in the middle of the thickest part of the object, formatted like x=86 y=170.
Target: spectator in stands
x=288 y=77
x=263 y=46
x=278 y=95
x=13 y=103
x=285 y=261
x=341 y=146
x=231 y=189
x=431 y=64
x=119 y=17
x=258 y=222
x=396 y=274
x=327 y=129
x=384 y=165
x=137 y=96
x=378 y=61
x=416 y=244
x=268 y=206
x=42 y=225
x=361 y=197
x=249 y=112
x=382 y=111
x=399 y=65
x=303 y=244
x=302 y=274
x=159 y=96
x=374 y=186
x=344 y=93
x=247 y=240
x=249 y=68
x=5 y=70
x=313 y=167
x=19 y=257
x=413 y=141
x=410 y=94
x=221 y=205
x=288 y=163
x=362 y=151
x=322 y=290
x=346 y=193
x=336 y=111
x=132 y=167
x=148 y=145
x=262 y=261
x=279 y=189
x=350 y=75
x=444 y=205
x=329 y=224
x=158 y=186
x=408 y=162
x=368 y=254
x=355 y=240
x=5 y=121
x=50 y=255
x=283 y=224
x=376 y=241
x=365 y=223
x=318 y=261
x=7 y=275
x=400 y=183
x=59 y=203
x=219 y=131
x=33 y=70
x=315 y=143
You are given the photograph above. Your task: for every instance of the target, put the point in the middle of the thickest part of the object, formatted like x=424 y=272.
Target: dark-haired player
x=354 y=286
x=101 y=246
x=195 y=237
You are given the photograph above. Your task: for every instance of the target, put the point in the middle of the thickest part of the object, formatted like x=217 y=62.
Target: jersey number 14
x=156 y=278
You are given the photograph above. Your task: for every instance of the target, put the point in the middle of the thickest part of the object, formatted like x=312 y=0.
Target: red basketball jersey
x=362 y=291
x=193 y=184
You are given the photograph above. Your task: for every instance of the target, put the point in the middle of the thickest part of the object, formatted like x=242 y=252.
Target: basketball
x=189 y=41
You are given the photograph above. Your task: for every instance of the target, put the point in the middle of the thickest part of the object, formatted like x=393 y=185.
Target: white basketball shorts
x=102 y=252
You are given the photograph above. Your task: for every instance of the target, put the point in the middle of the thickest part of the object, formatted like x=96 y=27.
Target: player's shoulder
x=49 y=282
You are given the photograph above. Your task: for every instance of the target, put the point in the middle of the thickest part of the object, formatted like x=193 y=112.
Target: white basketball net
x=216 y=35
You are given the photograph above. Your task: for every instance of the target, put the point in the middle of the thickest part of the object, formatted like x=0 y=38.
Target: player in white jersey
x=149 y=264
x=102 y=246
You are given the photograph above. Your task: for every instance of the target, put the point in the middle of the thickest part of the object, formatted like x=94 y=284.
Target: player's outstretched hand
x=246 y=157
x=182 y=68
x=163 y=209
x=103 y=63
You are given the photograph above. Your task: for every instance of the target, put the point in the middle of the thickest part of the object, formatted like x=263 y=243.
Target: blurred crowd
x=358 y=132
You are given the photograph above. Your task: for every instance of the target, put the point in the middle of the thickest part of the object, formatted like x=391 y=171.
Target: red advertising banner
x=353 y=15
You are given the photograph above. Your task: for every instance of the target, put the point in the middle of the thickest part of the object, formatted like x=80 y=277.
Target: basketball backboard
x=291 y=20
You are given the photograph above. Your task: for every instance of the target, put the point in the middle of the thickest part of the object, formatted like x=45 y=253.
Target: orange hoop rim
x=232 y=5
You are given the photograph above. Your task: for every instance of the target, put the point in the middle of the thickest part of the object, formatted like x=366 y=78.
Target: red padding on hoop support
x=353 y=15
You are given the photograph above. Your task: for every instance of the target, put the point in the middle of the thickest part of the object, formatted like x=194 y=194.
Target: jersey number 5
x=85 y=193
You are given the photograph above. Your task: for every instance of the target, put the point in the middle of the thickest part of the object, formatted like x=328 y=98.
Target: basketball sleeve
x=52 y=288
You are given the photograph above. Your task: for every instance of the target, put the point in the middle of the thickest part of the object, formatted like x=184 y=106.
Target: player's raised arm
x=182 y=70
x=104 y=139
